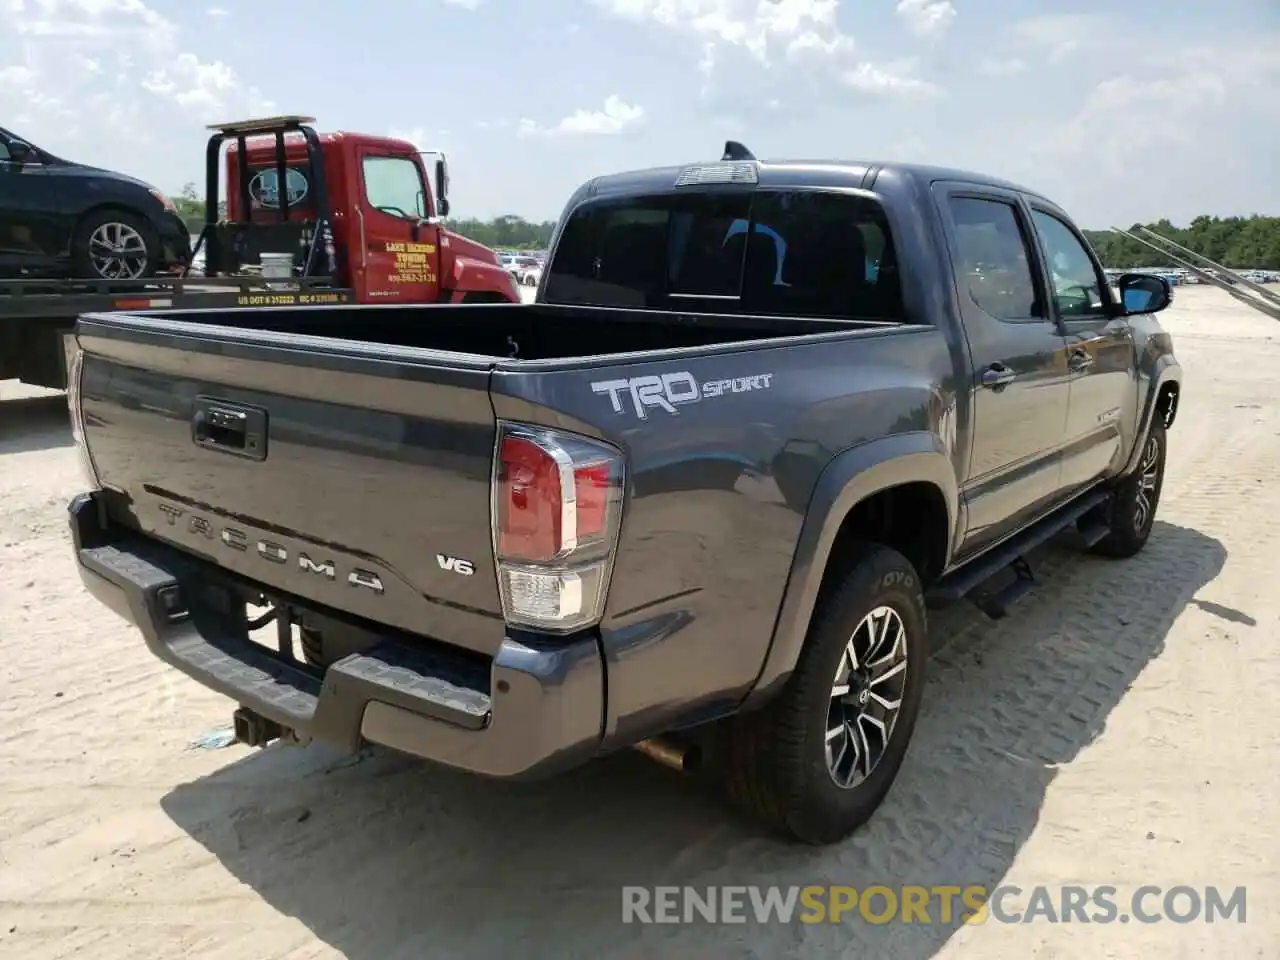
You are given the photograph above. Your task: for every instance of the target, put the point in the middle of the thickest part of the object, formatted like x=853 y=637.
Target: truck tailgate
x=327 y=472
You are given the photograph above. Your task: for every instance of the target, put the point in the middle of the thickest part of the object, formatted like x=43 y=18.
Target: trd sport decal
x=671 y=390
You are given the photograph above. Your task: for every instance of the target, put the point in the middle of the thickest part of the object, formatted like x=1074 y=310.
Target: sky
x=1119 y=112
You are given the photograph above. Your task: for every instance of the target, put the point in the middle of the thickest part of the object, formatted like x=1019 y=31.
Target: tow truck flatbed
x=31 y=350
x=54 y=299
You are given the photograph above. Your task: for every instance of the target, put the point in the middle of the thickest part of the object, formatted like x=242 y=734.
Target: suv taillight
x=557 y=505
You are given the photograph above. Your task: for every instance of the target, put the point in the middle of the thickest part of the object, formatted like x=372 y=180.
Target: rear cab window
x=801 y=253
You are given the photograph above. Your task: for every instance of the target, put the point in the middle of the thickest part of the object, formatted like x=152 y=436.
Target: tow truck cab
x=362 y=210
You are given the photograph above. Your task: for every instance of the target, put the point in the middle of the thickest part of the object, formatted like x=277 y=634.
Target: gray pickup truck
x=696 y=499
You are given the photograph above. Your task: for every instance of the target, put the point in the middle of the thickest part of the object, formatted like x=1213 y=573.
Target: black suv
x=59 y=218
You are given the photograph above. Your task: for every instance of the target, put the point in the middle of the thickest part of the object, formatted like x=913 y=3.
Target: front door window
x=394 y=186
x=1076 y=284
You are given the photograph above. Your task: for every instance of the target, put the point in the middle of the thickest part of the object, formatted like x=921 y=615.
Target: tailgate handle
x=233 y=428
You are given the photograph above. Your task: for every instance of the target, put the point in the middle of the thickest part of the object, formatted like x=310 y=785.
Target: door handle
x=1080 y=360
x=998 y=376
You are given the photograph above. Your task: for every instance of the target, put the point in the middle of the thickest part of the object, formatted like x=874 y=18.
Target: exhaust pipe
x=684 y=758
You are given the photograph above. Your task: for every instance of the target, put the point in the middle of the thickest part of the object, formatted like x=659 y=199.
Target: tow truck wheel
x=1130 y=513
x=114 y=245
x=818 y=760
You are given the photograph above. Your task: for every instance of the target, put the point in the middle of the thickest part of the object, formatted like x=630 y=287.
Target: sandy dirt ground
x=1120 y=728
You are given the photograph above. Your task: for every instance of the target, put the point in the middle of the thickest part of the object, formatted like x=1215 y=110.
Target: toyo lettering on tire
x=818 y=760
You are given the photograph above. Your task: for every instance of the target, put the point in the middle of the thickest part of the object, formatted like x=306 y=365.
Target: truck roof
x=256 y=141
x=781 y=173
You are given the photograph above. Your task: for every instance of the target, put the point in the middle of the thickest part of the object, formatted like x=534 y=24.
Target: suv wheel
x=1131 y=511
x=818 y=760
x=114 y=245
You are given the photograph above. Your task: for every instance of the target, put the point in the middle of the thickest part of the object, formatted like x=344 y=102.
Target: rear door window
x=994 y=258
x=795 y=253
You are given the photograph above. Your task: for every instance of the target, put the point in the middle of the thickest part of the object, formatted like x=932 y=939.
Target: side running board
x=959 y=583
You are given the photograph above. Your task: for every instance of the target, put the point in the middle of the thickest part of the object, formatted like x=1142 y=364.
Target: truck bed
x=372 y=461
x=505 y=331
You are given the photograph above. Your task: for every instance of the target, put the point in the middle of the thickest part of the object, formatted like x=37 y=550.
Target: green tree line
x=508 y=232
x=1236 y=242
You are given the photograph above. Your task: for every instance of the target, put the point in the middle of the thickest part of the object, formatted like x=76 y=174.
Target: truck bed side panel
x=371 y=466
x=719 y=486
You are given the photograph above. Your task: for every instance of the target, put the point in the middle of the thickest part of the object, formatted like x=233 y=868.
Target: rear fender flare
x=850 y=478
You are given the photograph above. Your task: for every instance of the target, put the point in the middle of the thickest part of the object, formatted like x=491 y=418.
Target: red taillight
x=557 y=501
x=591 y=486
x=530 y=518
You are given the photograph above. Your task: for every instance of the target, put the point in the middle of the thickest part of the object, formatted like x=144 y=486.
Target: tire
x=129 y=227
x=777 y=762
x=1130 y=512
x=312 y=648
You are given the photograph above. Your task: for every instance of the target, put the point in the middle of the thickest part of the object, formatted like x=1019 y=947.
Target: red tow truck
x=311 y=219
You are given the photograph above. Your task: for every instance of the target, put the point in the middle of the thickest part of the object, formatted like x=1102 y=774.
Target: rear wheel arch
x=862 y=491
x=117 y=206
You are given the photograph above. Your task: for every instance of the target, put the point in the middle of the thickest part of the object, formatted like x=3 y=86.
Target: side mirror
x=1144 y=293
x=442 y=187
x=20 y=152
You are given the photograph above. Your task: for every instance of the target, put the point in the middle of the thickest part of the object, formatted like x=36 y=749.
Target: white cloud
x=1001 y=66
x=217 y=12
x=1150 y=129
x=17 y=77
x=1061 y=35
x=891 y=79
x=1130 y=116
x=804 y=35
x=190 y=83
x=420 y=137
x=80 y=73
x=762 y=28
x=617 y=116
x=927 y=18
x=465 y=4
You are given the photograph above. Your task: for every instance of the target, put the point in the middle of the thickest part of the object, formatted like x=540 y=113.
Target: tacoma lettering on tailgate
x=268 y=550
